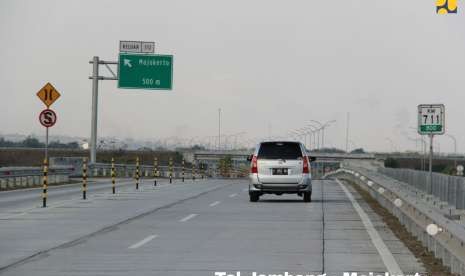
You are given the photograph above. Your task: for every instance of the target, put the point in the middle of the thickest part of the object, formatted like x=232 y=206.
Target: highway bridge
x=209 y=227
x=127 y=125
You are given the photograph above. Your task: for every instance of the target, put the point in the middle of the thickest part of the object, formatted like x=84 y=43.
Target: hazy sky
x=265 y=63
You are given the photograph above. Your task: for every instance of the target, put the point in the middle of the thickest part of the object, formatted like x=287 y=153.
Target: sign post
x=431 y=121
x=47 y=118
x=48 y=95
x=137 y=69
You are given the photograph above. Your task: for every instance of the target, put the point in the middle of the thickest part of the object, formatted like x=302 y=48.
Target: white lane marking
x=121 y=188
x=386 y=255
x=214 y=203
x=232 y=195
x=17 y=213
x=188 y=218
x=142 y=242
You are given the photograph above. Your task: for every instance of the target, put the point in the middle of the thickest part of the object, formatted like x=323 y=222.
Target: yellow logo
x=446 y=6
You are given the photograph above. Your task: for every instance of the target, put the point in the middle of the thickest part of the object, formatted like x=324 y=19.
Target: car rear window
x=279 y=150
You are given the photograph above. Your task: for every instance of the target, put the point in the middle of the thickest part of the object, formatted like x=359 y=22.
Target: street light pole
x=323 y=132
x=298 y=134
x=305 y=133
x=347 y=132
x=315 y=130
x=392 y=144
x=320 y=128
x=219 y=128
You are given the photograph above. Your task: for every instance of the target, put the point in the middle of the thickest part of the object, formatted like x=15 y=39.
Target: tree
x=391 y=163
x=225 y=165
x=359 y=150
x=198 y=147
x=31 y=142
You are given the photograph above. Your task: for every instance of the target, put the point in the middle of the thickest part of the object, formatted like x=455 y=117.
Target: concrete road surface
x=201 y=228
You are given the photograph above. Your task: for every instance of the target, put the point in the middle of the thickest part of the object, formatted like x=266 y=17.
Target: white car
x=280 y=167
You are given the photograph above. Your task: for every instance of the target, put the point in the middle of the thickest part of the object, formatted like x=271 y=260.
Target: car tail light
x=254 y=168
x=305 y=168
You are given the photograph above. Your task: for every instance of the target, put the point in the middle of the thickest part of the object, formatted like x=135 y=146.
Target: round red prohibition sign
x=48 y=117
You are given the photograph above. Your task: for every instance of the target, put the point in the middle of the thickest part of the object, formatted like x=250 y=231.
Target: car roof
x=279 y=141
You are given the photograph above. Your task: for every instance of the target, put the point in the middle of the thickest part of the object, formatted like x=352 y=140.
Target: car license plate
x=280 y=171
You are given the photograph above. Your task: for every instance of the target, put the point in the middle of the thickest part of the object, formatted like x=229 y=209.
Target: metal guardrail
x=23 y=177
x=446 y=188
x=416 y=214
x=8 y=172
x=125 y=170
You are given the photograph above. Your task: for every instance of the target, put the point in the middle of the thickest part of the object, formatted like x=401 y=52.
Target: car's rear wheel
x=307 y=196
x=254 y=197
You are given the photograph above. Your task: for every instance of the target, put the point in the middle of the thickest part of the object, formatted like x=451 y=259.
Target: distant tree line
x=336 y=150
x=31 y=142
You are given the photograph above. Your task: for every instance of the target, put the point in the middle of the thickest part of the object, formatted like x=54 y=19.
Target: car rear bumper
x=304 y=185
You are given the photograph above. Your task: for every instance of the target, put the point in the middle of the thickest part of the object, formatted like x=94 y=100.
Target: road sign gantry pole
x=93 y=133
x=95 y=78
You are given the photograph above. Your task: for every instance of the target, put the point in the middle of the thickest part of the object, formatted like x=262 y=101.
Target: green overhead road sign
x=138 y=71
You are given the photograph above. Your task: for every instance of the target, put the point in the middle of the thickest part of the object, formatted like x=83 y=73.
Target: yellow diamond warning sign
x=48 y=94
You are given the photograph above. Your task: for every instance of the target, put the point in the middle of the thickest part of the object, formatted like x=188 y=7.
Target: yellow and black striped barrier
x=171 y=169
x=137 y=173
x=155 y=171
x=182 y=169
x=193 y=170
x=45 y=182
x=113 y=176
x=84 y=178
x=201 y=170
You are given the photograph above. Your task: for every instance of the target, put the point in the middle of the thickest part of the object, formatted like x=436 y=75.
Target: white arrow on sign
x=127 y=62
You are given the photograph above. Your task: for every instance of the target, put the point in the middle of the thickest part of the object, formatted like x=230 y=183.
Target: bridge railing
x=23 y=177
x=450 y=189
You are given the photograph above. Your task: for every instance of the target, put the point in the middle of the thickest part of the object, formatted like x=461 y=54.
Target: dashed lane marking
x=214 y=203
x=142 y=242
x=188 y=218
